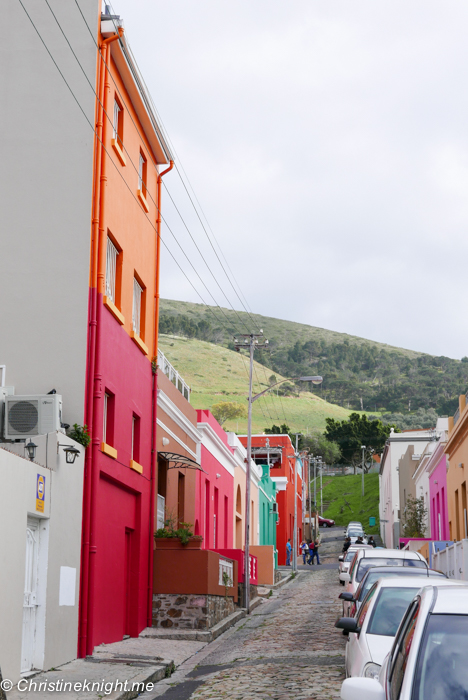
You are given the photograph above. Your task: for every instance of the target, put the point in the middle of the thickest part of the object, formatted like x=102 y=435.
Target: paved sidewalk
x=286 y=648
x=119 y=671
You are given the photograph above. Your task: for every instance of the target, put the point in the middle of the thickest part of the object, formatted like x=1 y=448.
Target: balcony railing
x=172 y=374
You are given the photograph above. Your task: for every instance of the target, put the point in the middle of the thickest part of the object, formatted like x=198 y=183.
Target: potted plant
x=182 y=537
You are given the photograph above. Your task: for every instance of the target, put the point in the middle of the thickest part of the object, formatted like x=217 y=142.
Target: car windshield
x=389 y=608
x=372 y=576
x=415 y=563
x=442 y=670
x=350 y=555
x=355 y=533
x=366 y=564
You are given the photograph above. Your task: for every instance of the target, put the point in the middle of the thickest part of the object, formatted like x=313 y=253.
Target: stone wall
x=195 y=612
x=278 y=575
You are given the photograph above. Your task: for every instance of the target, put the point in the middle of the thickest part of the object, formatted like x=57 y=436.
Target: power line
x=154 y=164
x=111 y=160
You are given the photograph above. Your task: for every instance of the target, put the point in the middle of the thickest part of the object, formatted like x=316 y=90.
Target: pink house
x=214 y=495
x=437 y=470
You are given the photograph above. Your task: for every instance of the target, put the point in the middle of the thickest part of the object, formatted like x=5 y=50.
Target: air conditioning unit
x=31 y=415
x=274 y=507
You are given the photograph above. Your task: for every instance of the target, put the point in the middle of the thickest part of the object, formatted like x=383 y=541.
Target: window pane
x=442 y=670
x=116 y=119
x=140 y=173
x=137 y=290
x=389 y=609
x=111 y=266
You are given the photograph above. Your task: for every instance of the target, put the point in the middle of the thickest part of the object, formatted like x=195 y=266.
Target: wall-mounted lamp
x=218 y=476
x=165 y=441
x=71 y=453
x=461 y=465
x=30 y=448
x=436 y=482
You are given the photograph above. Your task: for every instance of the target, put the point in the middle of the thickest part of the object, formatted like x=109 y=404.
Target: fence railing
x=172 y=374
x=453 y=560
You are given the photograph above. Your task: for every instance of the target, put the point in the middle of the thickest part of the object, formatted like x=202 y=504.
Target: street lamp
x=31 y=448
x=251 y=341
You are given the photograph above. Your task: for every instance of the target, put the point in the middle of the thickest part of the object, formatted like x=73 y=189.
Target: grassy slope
x=337 y=489
x=215 y=374
x=284 y=332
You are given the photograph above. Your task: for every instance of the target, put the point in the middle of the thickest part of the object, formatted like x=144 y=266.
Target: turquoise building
x=267 y=510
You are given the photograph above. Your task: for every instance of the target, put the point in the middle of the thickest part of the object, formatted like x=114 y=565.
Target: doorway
x=32 y=643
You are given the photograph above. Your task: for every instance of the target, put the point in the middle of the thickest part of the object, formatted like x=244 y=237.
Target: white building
x=389 y=504
x=40 y=541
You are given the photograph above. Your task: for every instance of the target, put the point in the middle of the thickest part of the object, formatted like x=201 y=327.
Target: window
x=401 y=650
x=137 y=299
x=365 y=605
x=142 y=175
x=108 y=419
x=389 y=610
x=111 y=270
x=118 y=123
x=135 y=453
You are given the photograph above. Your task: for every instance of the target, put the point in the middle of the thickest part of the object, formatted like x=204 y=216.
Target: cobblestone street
x=288 y=647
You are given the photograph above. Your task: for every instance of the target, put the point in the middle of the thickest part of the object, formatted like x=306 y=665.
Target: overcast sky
x=327 y=143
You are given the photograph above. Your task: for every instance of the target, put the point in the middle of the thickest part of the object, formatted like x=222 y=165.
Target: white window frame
x=111 y=269
x=140 y=172
x=133 y=435
x=117 y=111
x=136 y=317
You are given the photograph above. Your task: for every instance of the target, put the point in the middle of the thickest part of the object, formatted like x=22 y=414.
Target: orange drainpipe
x=154 y=396
x=97 y=213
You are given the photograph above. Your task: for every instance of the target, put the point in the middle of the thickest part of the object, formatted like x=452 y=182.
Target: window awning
x=177 y=461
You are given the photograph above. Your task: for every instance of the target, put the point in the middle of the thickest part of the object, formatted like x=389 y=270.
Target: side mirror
x=341 y=558
x=346 y=595
x=357 y=688
x=346 y=577
x=349 y=624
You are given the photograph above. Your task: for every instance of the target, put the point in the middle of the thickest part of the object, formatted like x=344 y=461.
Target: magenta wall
x=118 y=583
x=214 y=496
x=438 y=501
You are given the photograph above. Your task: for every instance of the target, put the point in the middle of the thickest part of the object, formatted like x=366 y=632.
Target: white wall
x=60 y=528
x=46 y=172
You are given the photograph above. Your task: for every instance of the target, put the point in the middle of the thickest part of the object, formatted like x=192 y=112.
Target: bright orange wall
x=125 y=218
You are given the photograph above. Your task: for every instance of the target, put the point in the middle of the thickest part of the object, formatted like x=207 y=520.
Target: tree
x=319 y=446
x=415 y=517
x=356 y=431
x=228 y=410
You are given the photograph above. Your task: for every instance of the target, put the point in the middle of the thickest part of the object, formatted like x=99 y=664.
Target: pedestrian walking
x=315 y=551
x=288 y=553
x=347 y=544
x=372 y=541
x=305 y=551
x=311 y=552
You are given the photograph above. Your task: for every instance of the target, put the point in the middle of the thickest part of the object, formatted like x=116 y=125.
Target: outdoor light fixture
x=71 y=453
x=315 y=380
x=31 y=448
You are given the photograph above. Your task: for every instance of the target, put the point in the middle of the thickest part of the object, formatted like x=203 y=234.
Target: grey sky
x=328 y=145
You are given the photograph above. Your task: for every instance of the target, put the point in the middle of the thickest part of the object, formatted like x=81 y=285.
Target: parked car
x=351 y=604
x=365 y=559
x=356 y=529
x=346 y=559
x=326 y=522
x=427 y=660
x=371 y=631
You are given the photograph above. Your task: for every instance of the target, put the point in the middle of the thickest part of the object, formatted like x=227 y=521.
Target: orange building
x=457 y=475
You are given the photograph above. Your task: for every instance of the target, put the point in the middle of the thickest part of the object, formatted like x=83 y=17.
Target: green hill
x=343 y=501
x=215 y=373
x=359 y=374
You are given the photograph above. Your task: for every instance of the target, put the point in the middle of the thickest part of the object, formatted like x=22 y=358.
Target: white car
x=371 y=631
x=364 y=559
x=428 y=659
x=351 y=604
x=346 y=560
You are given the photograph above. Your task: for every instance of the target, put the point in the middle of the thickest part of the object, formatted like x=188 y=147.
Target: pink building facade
x=438 y=500
x=214 y=496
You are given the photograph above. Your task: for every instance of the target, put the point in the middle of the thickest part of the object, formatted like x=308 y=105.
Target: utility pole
x=250 y=341
x=321 y=491
x=308 y=489
x=363 y=448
